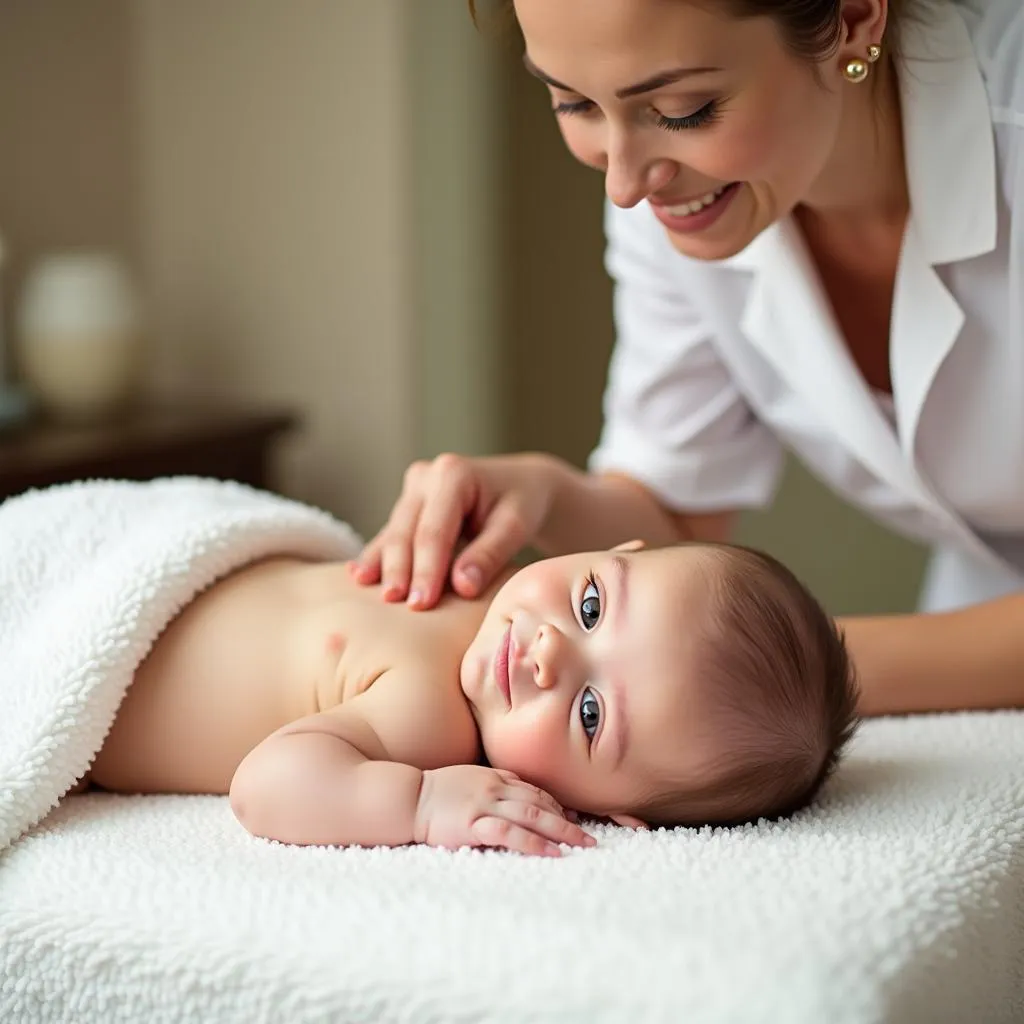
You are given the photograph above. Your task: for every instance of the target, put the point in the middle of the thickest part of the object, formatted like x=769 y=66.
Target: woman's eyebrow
x=658 y=81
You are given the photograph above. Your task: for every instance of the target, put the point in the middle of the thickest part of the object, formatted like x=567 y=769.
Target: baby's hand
x=470 y=805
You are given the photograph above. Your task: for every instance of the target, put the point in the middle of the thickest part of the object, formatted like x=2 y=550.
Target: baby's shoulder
x=419 y=715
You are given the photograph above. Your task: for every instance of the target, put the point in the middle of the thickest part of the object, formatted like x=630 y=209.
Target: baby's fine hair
x=781 y=696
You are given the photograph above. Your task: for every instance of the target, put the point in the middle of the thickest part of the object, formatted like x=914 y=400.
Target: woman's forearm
x=971 y=659
x=593 y=513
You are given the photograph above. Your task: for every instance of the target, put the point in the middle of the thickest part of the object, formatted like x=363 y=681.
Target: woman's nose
x=631 y=177
x=552 y=657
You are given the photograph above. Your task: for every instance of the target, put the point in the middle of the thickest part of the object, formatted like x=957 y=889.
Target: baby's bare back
x=268 y=645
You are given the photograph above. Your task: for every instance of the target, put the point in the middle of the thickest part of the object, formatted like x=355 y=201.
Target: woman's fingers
x=366 y=566
x=412 y=557
x=503 y=534
x=436 y=534
x=396 y=549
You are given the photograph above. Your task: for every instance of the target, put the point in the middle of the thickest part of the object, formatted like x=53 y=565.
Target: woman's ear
x=631 y=545
x=627 y=821
x=864 y=23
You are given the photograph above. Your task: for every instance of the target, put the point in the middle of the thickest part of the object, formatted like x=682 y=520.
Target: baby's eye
x=590 y=606
x=590 y=712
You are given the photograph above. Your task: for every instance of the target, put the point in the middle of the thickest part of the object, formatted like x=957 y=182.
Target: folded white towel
x=90 y=574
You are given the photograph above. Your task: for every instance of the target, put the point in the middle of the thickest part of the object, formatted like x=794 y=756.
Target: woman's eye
x=590 y=712
x=590 y=606
x=568 y=108
x=698 y=119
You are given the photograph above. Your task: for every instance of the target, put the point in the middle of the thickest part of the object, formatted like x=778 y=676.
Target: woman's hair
x=810 y=27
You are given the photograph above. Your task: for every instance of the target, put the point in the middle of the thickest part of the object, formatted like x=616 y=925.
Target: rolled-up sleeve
x=673 y=417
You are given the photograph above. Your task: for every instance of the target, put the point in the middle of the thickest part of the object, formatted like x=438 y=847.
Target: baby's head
x=697 y=684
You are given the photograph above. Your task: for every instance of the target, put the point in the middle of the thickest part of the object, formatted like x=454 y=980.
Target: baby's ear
x=627 y=821
x=631 y=545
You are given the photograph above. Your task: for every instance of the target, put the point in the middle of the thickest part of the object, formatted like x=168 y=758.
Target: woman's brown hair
x=810 y=27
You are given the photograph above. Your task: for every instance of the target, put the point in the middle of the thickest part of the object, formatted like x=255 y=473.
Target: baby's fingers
x=549 y=825
x=562 y=830
x=518 y=789
x=500 y=832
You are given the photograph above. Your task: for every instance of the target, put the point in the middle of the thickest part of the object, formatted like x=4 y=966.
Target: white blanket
x=898 y=897
x=90 y=574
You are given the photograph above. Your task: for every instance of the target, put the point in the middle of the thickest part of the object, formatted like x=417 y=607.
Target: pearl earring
x=857 y=70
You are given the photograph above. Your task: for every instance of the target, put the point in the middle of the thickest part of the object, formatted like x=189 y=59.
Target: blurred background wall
x=301 y=190
x=68 y=168
x=362 y=211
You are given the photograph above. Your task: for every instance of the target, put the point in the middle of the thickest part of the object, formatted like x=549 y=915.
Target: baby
x=685 y=685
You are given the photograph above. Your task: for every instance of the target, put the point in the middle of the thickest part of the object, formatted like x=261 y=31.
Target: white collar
x=951 y=171
x=948 y=138
x=948 y=143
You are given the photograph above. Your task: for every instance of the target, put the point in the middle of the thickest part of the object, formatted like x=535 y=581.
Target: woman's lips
x=691 y=218
x=501 y=659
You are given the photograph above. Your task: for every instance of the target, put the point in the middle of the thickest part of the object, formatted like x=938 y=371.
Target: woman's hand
x=498 y=503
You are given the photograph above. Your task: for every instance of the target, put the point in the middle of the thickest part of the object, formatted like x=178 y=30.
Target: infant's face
x=580 y=677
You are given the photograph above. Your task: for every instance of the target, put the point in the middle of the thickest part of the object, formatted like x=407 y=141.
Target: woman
x=816 y=231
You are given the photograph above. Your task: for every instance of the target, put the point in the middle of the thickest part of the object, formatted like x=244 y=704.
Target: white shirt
x=719 y=366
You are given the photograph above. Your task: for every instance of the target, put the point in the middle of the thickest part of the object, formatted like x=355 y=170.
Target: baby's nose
x=551 y=656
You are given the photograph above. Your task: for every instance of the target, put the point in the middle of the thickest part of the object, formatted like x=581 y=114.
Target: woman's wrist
x=593 y=512
x=557 y=480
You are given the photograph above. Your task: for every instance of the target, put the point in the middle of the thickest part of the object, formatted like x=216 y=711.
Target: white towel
x=898 y=898
x=90 y=574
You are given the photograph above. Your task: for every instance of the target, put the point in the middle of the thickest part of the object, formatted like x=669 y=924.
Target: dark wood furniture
x=152 y=441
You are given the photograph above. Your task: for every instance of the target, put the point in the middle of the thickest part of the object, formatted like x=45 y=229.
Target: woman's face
x=709 y=118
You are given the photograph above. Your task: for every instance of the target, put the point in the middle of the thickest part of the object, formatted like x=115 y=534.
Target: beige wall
x=276 y=211
x=67 y=174
x=304 y=188
x=458 y=193
x=558 y=324
x=318 y=221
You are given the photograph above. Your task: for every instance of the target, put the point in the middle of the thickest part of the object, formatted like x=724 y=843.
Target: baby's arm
x=326 y=780
x=329 y=779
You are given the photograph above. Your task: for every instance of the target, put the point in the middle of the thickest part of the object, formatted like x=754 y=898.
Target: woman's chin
x=706 y=253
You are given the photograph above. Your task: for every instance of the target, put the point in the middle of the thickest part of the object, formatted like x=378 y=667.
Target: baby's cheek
x=531 y=749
